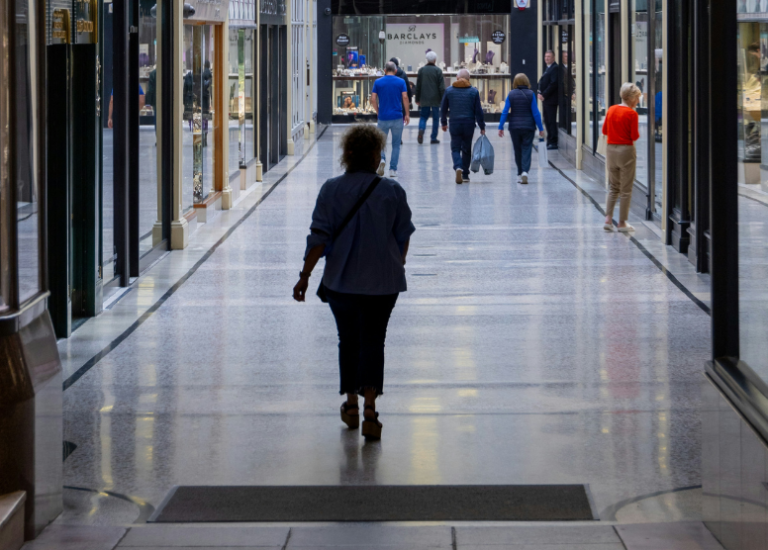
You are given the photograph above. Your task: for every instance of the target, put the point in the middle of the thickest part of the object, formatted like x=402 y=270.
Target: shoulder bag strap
x=356 y=207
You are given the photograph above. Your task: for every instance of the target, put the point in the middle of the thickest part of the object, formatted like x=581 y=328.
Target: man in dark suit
x=548 y=95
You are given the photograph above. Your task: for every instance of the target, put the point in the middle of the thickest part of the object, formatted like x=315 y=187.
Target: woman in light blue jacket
x=524 y=118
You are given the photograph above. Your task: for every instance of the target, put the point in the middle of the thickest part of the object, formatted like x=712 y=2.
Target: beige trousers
x=622 y=161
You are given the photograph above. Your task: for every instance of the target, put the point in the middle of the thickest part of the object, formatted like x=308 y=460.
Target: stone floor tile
x=360 y=535
x=668 y=536
x=174 y=535
x=532 y=534
x=566 y=546
x=76 y=537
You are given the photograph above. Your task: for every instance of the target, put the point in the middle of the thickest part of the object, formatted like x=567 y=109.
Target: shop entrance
x=614 y=55
x=273 y=131
x=567 y=85
x=74 y=111
x=198 y=96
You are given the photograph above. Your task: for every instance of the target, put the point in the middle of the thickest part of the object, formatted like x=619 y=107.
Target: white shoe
x=608 y=227
x=626 y=229
x=519 y=179
x=459 y=179
x=380 y=171
x=524 y=177
x=393 y=173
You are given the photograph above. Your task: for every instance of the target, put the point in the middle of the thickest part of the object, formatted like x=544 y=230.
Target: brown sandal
x=372 y=428
x=351 y=420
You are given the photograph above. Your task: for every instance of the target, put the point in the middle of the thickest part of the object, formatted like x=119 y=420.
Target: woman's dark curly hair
x=360 y=147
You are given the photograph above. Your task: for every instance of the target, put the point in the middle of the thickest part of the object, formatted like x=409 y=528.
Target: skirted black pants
x=362 y=323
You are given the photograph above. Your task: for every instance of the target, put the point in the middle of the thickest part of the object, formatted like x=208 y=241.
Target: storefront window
x=5 y=264
x=589 y=82
x=752 y=63
x=599 y=97
x=199 y=121
x=236 y=97
x=639 y=68
x=566 y=57
x=249 y=149
x=27 y=197
x=358 y=59
x=657 y=107
x=241 y=138
x=149 y=182
x=363 y=44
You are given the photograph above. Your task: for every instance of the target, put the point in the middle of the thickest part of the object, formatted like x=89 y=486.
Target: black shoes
x=551 y=147
x=421 y=138
x=434 y=141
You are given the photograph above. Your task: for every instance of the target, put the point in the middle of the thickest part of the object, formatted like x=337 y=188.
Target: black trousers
x=362 y=324
x=462 y=132
x=550 y=121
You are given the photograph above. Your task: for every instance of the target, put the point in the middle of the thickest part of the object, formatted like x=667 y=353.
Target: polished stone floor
x=531 y=347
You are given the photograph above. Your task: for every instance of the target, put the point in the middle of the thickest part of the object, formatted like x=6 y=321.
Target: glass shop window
x=363 y=44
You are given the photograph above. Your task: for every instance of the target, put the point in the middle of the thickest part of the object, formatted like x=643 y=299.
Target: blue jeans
x=462 y=132
x=396 y=127
x=362 y=322
x=425 y=112
x=522 y=142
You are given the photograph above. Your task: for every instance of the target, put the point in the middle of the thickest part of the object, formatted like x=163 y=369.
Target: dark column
x=133 y=139
x=324 y=62
x=723 y=168
x=58 y=182
x=698 y=251
x=169 y=79
x=265 y=93
x=120 y=121
x=522 y=40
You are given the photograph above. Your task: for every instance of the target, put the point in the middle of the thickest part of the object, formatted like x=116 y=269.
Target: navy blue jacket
x=463 y=101
x=522 y=109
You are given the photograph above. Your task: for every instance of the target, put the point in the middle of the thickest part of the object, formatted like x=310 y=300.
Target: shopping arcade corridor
x=530 y=348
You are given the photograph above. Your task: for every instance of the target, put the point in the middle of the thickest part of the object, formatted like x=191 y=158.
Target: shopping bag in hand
x=543 y=157
x=482 y=155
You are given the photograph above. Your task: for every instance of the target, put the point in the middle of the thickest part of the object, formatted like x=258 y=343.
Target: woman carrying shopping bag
x=524 y=118
x=621 y=127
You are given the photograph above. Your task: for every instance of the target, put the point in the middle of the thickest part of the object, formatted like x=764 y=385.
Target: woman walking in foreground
x=622 y=128
x=362 y=225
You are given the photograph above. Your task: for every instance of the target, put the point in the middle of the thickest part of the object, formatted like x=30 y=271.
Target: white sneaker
x=626 y=229
x=393 y=173
x=380 y=171
x=524 y=177
x=519 y=179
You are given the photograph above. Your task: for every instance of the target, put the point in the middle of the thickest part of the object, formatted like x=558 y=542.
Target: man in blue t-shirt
x=390 y=99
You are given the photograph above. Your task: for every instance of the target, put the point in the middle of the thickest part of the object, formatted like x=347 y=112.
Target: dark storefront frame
x=559 y=22
x=651 y=90
x=124 y=42
x=30 y=369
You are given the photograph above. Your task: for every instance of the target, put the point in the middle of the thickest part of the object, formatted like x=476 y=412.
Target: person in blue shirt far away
x=524 y=118
x=390 y=99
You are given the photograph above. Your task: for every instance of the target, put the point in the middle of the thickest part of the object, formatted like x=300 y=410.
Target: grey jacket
x=430 y=86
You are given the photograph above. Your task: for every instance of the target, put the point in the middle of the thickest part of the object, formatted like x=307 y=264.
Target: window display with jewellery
x=363 y=44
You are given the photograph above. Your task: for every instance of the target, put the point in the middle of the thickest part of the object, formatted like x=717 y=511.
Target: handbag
x=543 y=156
x=602 y=145
x=322 y=291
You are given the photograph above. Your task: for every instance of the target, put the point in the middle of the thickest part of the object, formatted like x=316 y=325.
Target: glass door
x=198 y=118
